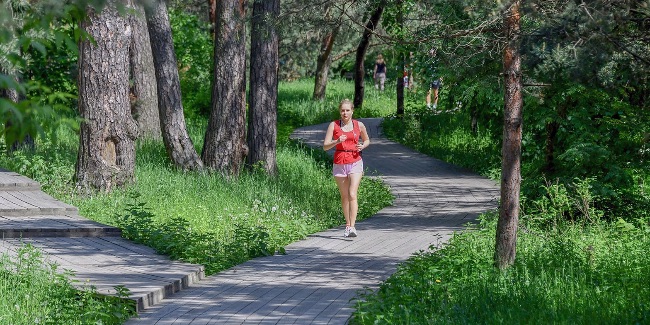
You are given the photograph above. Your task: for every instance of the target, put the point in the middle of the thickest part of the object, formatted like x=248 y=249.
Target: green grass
x=445 y=137
x=296 y=108
x=250 y=216
x=596 y=274
x=33 y=291
x=592 y=270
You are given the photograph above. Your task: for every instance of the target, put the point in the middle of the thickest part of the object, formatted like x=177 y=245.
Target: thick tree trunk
x=506 y=239
x=262 y=122
x=106 y=157
x=225 y=139
x=144 y=100
x=359 y=68
x=323 y=64
x=180 y=148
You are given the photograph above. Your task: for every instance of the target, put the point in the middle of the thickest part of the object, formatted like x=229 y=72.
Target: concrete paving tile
x=315 y=283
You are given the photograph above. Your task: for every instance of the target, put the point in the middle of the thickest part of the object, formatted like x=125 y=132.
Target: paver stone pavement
x=318 y=278
x=94 y=252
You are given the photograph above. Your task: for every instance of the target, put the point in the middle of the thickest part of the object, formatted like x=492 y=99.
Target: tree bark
x=178 y=144
x=323 y=64
x=225 y=147
x=359 y=67
x=212 y=5
x=14 y=134
x=262 y=122
x=506 y=238
x=106 y=157
x=400 y=71
x=474 y=119
x=552 y=129
x=144 y=100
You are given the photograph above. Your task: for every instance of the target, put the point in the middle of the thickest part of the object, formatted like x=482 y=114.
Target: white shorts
x=343 y=170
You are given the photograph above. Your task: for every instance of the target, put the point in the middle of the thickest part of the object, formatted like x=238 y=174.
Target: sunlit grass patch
x=579 y=275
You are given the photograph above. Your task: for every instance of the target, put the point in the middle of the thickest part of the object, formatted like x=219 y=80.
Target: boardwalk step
x=53 y=226
x=10 y=181
x=32 y=203
x=111 y=261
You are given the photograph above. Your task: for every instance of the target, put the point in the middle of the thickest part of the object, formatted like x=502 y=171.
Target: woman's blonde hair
x=346 y=101
x=380 y=57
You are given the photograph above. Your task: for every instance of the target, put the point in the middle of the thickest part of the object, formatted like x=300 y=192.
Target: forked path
x=316 y=280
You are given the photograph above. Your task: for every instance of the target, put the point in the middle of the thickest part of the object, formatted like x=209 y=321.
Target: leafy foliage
x=194 y=53
x=38 y=41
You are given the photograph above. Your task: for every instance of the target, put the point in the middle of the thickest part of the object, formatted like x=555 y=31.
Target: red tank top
x=347 y=152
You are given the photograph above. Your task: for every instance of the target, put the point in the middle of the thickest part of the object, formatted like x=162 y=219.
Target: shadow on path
x=319 y=277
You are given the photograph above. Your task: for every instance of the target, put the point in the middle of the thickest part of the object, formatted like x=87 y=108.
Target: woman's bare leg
x=343 y=185
x=353 y=189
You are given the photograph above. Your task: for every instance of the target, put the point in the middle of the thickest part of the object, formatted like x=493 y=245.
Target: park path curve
x=316 y=280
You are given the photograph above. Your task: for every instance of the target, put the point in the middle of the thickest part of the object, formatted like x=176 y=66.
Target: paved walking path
x=313 y=284
x=315 y=281
x=94 y=252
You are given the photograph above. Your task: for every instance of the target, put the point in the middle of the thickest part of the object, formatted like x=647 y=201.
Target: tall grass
x=33 y=291
x=575 y=275
x=573 y=266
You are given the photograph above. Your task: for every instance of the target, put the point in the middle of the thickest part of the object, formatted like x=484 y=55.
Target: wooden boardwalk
x=316 y=280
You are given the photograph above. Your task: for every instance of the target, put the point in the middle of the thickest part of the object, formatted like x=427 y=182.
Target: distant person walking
x=379 y=73
x=434 y=88
x=349 y=137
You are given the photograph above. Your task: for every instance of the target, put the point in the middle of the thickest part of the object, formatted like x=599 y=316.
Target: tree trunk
x=180 y=148
x=400 y=71
x=506 y=241
x=359 y=67
x=400 y=87
x=106 y=157
x=225 y=139
x=212 y=5
x=144 y=100
x=323 y=64
x=14 y=138
x=551 y=136
x=474 y=119
x=549 y=149
x=262 y=122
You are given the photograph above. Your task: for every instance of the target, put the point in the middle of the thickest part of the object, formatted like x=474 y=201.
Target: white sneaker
x=353 y=232
x=347 y=232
